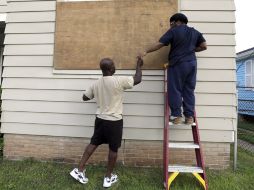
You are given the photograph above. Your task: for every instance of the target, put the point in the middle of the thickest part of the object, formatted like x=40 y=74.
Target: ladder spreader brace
x=172 y=171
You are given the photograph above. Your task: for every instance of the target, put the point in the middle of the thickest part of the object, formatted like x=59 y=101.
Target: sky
x=244 y=24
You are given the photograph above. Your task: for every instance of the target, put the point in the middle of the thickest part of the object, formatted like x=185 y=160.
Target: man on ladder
x=181 y=82
x=184 y=41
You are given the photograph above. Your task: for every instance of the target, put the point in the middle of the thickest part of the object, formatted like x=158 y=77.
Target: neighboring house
x=245 y=81
x=43 y=115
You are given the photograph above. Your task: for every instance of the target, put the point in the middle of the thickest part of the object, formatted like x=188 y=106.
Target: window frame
x=250 y=73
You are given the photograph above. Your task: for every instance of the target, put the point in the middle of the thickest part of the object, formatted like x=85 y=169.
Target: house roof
x=246 y=54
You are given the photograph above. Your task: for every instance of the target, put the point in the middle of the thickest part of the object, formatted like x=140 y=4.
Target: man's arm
x=201 y=47
x=138 y=75
x=154 y=47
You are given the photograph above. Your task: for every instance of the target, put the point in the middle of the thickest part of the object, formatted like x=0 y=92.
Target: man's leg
x=188 y=91
x=112 y=157
x=88 y=152
x=175 y=85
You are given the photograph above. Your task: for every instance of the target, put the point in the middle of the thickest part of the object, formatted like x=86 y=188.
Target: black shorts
x=108 y=132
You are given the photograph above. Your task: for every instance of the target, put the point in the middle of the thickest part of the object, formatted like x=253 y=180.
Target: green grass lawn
x=33 y=175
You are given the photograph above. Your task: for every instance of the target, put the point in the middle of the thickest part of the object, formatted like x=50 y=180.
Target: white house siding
x=40 y=101
x=3 y=5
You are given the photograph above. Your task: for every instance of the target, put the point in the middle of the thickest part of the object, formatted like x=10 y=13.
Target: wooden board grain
x=86 y=32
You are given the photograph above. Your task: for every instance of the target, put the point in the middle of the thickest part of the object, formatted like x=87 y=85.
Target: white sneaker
x=80 y=176
x=108 y=182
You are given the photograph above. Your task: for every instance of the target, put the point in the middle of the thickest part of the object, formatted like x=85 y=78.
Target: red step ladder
x=172 y=171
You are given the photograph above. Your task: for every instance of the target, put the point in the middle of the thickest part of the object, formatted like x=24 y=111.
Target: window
x=249 y=73
x=87 y=31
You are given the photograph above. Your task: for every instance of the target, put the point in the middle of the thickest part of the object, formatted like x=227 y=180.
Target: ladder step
x=180 y=125
x=184 y=169
x=183 y=145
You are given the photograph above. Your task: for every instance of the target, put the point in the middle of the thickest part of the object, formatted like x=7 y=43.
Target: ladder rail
x=166 y=132
x=199 y=152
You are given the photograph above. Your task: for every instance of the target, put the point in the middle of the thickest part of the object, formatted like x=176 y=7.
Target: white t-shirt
x=108 y=94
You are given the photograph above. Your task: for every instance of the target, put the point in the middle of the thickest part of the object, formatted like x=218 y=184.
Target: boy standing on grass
x=184 y=41
x=108 y=94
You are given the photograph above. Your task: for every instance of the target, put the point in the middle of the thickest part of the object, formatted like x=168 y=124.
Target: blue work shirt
x=183 y=40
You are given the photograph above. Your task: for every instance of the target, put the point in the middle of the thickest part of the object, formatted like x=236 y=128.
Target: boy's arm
x=138 y=75
x=88 y=94
x=85 y=98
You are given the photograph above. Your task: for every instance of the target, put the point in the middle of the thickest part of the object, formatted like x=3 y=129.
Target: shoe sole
x=72 y=175
x=111 y=184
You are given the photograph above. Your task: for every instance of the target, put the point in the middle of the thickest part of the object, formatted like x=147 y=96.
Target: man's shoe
x=109 y=181
x=175 y=121
x=79 y=176
x=189 y=120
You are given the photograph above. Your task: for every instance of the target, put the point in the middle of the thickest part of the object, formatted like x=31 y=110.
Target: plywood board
x=86 y=32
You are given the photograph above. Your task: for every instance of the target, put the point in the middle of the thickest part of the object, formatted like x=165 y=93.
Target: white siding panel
x=211 y=5
x=88 y=120
x=3 y=9
x=51 y=130
x=79 y=108
x=212 y=51
x=218 y=51
x=81 y=84
x=77 y=119
x=118 y=72
x=223 y=40
x=214 y=28
x=216 y=63
x=46 y=72
x=216 y=99
x=216 y=111
x=30 y=28
x=71 y=84
x=216 y=75
x=76 y=96
x=128 y=133
x=29 y=39
x=28 y=50
x=35 y=61
x=210 y=16
x=3 y=2
x=31 y=6
x=129 y=97
x=90 y=108
x=216 y=87
x=31 y=17
x=3 y=6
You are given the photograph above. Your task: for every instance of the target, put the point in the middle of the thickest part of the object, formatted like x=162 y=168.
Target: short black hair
x=106 y=64
x=179 y=17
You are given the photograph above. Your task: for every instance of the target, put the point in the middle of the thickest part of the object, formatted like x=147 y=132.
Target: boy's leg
x=188 y=91
x=88 y=152
x=114 y=132
x=96 y=140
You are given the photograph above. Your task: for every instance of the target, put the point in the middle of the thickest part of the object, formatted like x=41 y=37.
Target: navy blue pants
x=181 y=86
